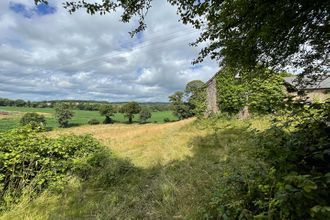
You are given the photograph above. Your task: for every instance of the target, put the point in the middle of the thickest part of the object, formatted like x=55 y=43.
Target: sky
x=47 y=54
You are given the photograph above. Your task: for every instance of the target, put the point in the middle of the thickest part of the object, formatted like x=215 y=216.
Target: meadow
x=80 y=117
x=158 y=171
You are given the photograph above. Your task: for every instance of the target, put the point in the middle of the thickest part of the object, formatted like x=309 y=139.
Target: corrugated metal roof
x=322 y=82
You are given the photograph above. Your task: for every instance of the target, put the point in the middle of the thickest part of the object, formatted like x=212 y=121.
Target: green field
x=80 y=117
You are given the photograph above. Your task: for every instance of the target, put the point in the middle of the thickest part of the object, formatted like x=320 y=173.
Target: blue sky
x=38 y=10
x=46 y=53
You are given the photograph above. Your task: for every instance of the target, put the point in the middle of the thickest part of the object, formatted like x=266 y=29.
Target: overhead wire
x=122 y=51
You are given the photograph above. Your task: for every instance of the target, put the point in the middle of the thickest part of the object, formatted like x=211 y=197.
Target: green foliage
x=196 y=94
x=263 y=93
x=108 y=111
x=167 y=120
x=145 y=114
x=129 y=109
x=63 y=114
x=286 y=173
x=266 y=94
x=93 y=122
x=298 y=147
x=33 y=119
x=81 y=117
x=181 y=109
x=231 y=93
x=242 y=33
x=31 y=163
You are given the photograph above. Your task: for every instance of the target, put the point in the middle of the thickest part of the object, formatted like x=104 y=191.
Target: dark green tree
x=241 y=33
x=129 y=109
x=196 y=96
x=108 y=111
x=180 y=109
x=145 y=114
x=63 y=114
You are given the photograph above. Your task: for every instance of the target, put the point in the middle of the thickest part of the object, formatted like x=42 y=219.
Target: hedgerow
x=284 y=173
x=31 y=162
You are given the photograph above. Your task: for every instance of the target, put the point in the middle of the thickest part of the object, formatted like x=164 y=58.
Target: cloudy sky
x=46 y=53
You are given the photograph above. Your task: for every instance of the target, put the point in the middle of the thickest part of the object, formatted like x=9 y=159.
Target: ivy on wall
x=263 y=93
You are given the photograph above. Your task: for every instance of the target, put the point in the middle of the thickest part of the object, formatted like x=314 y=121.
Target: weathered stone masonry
x=211 y=97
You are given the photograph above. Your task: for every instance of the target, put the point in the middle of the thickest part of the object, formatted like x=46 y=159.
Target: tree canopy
x=108 y=111
x=242 y=34
x=129 y=109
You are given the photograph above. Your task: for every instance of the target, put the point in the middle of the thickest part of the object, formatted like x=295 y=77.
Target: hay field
x=145 y=145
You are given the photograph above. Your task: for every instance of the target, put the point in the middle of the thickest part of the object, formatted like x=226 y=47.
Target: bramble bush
x=31 y=162
x=284 y=171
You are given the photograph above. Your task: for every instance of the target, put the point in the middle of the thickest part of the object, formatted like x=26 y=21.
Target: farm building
x=315 y=90
x=318 y=89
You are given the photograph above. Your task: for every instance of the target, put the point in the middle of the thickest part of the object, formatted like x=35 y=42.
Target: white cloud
x=61 y=56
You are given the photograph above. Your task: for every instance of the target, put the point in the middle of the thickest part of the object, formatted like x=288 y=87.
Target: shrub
x=167 y=120
x=93 y=122
x=33 y=119
x=32 y=161
x=283 y=174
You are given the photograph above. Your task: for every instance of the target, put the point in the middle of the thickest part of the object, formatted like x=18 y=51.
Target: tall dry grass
x=175 y=169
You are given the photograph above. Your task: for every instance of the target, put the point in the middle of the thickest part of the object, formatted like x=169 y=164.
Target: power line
x=122 y=51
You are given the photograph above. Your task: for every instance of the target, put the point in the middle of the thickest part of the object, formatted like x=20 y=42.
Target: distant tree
x=193 y=87
x=63 y=113
x=33 y=119
x=145 y=114
x=196 y=97
x=107 y=111
x=129 y=109
x=180 y=109
x=20 y=103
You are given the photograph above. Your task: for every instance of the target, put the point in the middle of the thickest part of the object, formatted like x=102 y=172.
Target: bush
x=32 y=161
x=283 y=174
x=167 y=120
x=33 y=119
x=93 y=122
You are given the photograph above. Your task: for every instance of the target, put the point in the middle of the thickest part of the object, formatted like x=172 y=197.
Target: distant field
x=80 y=117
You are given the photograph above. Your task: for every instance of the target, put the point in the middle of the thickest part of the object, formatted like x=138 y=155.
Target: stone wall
x=211 y=97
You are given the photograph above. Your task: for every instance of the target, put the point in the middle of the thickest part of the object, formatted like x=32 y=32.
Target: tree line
x=80 y=104
x=64 y=112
